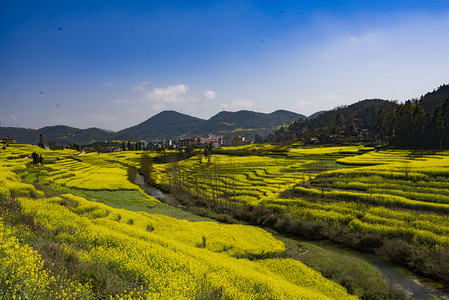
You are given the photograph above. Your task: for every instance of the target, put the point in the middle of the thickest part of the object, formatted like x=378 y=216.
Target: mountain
x=22 y=135
x=355 y=122
x=57 y=133
x=62 y=135
x=314 y=115
x=173 y=125
x=225 y=122
x=165 y=125
x=432 y=99
x=364 y=110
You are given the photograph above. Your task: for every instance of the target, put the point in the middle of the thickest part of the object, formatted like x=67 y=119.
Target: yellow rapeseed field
x=163 y=258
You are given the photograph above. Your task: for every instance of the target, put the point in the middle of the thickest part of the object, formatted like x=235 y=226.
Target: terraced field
x=56 y=244
x=399 y=194
x=391 y=202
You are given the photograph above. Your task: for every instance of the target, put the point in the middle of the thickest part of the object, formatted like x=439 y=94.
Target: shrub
x=397 y=250
x=132 y=174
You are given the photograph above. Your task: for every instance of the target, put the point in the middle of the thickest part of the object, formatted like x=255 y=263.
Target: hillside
x=415 y=124
x=352 y=123
x=432 y=99
x=62 y=135
x=165 y=125
x=246 y=122
x=24 y=135
x=173 y=125
x=355 y=122
x=64 y=243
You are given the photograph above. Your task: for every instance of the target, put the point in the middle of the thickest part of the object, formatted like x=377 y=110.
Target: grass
x=257 y=179
x=359 y=277
x=135 y=201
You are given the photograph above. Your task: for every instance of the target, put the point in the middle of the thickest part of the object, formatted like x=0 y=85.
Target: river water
x=417 y=287
x=152 y=191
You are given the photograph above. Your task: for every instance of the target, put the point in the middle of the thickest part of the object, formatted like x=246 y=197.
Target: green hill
x=165 y=125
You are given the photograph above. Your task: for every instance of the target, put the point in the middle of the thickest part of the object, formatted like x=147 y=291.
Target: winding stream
x=152 y=191
x=417 y=287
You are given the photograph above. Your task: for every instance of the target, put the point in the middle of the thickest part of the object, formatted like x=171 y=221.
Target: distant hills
x=245 y=123
x=355 y=122
x=165 y=125
x=62 y=135
x=416 y=124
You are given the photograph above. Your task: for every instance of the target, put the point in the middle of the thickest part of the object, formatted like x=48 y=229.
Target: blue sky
x=113 y=64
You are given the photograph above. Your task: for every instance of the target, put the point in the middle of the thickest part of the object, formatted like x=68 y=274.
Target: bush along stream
x=308 y=236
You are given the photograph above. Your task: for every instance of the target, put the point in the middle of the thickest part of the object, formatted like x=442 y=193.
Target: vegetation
x=165 y=125
x=394 y=203
x=416 y=124
x=59 y=244
x=89 y=232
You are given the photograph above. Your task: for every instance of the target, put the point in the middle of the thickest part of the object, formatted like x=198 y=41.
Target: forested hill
x=60 y=134
x=356 y=122
x=422 y=124
x=246 y=123
x=415 y=124
x=165 y=125
x=431 y=100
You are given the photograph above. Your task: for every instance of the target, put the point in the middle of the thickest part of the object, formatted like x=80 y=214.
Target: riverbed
x=417 y=287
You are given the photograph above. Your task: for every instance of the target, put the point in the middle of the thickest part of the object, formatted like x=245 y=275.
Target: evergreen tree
x=381 y=120
x=146 y=166
x=41 y=141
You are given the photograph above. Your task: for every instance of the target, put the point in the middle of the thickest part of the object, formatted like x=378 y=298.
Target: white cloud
x=148 y=101
x=169 y=94
x=209 y=95
x=158 y=106
x=141 y=86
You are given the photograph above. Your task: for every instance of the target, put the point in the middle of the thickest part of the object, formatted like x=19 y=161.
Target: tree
x=132 y=174
x=437 y=127
x=146 y=166
x=409 y=124
x=52 y=145
x=340 y=121
x=41 y=141
x=381 y=120
x=35 y=158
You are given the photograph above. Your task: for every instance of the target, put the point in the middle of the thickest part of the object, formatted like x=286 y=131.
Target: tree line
x=415 y=124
